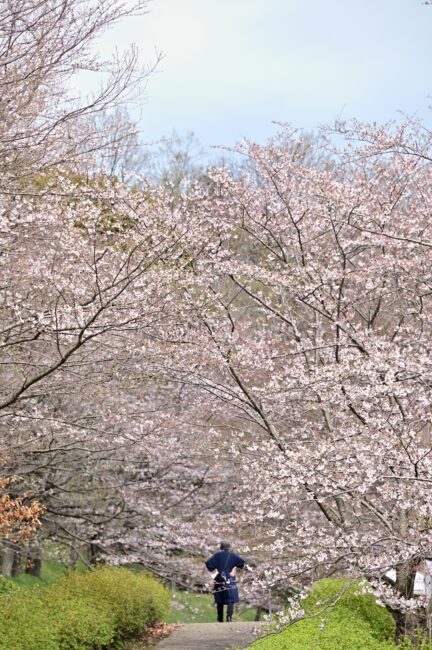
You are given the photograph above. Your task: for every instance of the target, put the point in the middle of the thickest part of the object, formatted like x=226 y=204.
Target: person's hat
x=224 y=546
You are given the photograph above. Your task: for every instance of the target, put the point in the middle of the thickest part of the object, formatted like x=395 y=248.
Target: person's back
x=226 y=563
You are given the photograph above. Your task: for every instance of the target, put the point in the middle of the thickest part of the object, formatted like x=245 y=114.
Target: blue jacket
x=225 y=586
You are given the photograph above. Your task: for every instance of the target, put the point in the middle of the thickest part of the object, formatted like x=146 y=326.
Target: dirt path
x=211 y=636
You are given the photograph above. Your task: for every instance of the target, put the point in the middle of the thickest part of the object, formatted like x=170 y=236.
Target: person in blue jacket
x=226 y=563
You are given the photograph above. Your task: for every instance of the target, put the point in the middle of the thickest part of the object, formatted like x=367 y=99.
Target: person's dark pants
x=220 y=612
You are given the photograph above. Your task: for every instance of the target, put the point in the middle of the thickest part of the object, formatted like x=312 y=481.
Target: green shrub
x=135 y=599
x=351 y=621
x=7 y=586
x=24 y=624
x=82 y=611
x=80 y=622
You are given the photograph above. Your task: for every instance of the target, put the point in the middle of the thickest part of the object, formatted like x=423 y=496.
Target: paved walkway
x=211 y=636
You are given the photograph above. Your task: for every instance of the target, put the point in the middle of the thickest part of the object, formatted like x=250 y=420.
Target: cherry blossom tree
x=314 y=335
x=92 y=277
x=94 y=288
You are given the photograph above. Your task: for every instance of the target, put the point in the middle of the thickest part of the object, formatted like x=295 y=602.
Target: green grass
x=51 y=573
x=189 y=607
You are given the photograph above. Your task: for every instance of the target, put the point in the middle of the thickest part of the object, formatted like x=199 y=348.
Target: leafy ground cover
x=351 y=621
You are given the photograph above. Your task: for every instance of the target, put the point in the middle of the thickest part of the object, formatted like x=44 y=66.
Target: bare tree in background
x=43 y=46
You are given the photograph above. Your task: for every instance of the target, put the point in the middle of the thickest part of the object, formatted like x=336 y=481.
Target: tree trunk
x=11 y=561
x=94 y=553
x=34 y=561
x=16 y=563
x=405 y=576
x=7 y=561
x=73 y=557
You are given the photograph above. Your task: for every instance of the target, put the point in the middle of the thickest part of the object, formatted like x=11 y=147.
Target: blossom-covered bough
x=315 y=334
x=92 y=274
x=93 y=291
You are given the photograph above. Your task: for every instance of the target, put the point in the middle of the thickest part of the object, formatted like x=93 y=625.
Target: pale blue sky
x=230 y=67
